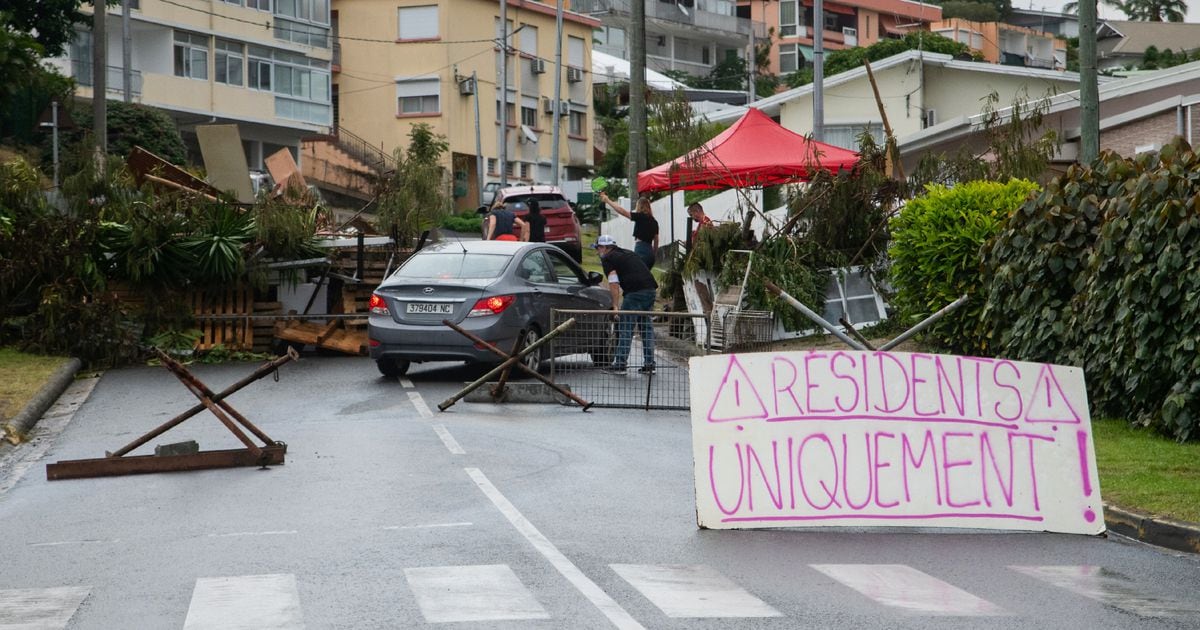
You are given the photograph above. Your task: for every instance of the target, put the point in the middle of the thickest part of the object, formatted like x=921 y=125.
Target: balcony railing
x=114 y=80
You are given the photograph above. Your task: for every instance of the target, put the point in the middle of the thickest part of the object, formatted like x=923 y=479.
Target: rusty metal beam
x=142 y=464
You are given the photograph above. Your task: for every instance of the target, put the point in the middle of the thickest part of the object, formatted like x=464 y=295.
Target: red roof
x=756 y=151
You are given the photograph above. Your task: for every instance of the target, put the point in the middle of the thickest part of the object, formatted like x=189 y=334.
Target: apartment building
x=411 y=61
x=261 y=64
x=690 y=36
x=999 y=42
x=846 y=24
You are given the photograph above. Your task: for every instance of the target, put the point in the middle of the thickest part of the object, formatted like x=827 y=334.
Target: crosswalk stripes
x=40 y=608
x=901 y=586
x=693 y=591
x=1109 y=587
x=494 y=593
x=248 y=602
x=472 y=593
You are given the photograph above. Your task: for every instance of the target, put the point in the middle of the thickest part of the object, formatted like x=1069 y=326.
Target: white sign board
x=821 y=438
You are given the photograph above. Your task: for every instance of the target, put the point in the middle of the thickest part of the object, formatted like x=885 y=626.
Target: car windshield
x=451 y=265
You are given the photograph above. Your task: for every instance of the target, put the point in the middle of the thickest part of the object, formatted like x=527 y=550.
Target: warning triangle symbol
x=1049 y=402
x=736 y=398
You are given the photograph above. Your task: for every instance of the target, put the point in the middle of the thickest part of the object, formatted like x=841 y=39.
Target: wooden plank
x=142 y=464
x=328 y=330
x=348 y=341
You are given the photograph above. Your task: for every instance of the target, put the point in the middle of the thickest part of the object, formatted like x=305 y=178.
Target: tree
x=50 y=22
x=973 y=11
x=416 y=196
x=1155 y=10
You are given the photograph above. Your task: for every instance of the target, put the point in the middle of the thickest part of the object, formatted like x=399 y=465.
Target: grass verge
x=21 y=376
x=1146 y=472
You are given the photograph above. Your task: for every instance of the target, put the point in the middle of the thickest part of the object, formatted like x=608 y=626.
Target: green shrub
x=935 y=252
x=467 y=222
x=130 y=125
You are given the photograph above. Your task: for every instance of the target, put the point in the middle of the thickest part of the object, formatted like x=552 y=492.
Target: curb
x=1154 y=531
x=28 y=416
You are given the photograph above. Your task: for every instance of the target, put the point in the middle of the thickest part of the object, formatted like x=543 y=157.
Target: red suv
x=562 y=226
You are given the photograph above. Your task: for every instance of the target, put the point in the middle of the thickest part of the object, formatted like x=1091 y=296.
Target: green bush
x=466 y=222
x=935 y=252
x=130 y=125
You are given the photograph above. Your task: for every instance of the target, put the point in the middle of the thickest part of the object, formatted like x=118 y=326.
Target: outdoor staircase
x=345 y=164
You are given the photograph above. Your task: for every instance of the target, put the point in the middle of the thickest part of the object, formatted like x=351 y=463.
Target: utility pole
x=126 y=51
x=503 y=87
x=818 y=26
x=753 y=60
x=99 y=76
x=557 y=116
x=1089 y=92
x=637 y=95
x=478 y=141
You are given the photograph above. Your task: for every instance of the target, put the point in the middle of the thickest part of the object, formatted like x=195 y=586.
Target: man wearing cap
x=630 y=280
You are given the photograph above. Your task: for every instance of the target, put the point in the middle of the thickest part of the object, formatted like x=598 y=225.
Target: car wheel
x=392 y=368
x=534 y=359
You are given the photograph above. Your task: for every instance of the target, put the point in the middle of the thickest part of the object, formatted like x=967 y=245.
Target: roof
x=1128 y=38
x=772 y=104
x=607 y=69
x=1143 y=82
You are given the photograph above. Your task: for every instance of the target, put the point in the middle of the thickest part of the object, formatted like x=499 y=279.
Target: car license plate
x=429 y=308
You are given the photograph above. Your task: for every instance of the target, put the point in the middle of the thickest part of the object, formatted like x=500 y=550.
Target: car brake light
x=491 y=305
x=376 y=305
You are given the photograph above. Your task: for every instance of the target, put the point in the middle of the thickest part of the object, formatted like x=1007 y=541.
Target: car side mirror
x=594 y=278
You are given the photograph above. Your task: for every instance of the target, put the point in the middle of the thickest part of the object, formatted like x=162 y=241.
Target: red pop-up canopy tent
x=755 y=151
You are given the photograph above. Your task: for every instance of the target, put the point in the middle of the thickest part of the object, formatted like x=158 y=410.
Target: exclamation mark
x=1081 y=440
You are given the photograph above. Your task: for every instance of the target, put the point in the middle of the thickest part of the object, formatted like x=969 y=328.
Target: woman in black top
x=645 y=227
x=537 y=223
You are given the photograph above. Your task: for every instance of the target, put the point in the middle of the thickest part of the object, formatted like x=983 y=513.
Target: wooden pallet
x=332 y=336
x=233 y=334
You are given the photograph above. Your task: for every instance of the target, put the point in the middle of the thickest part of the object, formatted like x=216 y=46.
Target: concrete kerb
x=20 y=425
x=1154 y=531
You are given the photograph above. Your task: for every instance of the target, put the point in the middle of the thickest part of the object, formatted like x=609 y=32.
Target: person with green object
x=645 y=227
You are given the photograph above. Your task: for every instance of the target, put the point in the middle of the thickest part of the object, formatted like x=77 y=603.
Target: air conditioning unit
x=466 y=87
x=574 y=75
x=538 y=66
x=930 y=118
x=547 y=106
x=849 y=32
x=564 y=107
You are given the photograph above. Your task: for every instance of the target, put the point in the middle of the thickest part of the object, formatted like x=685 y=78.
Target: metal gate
x=587 y=353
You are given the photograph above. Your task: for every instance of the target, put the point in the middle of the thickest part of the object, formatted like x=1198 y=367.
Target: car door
x=574 y=292
x=540 y=290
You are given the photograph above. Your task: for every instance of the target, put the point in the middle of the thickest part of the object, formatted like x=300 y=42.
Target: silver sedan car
x=498 y=290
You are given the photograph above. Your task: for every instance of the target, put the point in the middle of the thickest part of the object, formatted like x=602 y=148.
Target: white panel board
x=824 y=438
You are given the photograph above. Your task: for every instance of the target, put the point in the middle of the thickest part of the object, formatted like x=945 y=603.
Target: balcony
x=81 y=71
x=715 y=15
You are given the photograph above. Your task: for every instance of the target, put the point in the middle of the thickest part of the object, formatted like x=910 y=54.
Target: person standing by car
x=536 y=222
x=645 y=227
x=500 y=224
x=630 y=280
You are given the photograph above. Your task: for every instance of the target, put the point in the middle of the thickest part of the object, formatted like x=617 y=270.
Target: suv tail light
x=377 y=306
x=491 y=305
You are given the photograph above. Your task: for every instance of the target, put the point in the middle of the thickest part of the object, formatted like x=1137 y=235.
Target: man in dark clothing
x=630 y=280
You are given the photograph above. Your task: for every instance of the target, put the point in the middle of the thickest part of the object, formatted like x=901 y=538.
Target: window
x=575 y=51
x=261 y=5
x=510 y=114
x=850 y=292
x=535 y=268
x=491 y=166
x=191 y=55
x=418 y=96
x=259 y=71
x=564 y=273
x=846 y=136
x=578 y=124
x=525 y=170
x=788 y=18
x=510 y=168
x=418 y=22
x=237 y=2
x=307 y=10
x=831 y=22
x=230 y=58
x=529 y=117
x=789 y=58
x=528 y=39
x=454 y=265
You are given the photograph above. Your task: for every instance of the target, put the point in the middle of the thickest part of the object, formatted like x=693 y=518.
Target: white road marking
x=430 y=526
x=1109 y=588
x=40 y=608
x=52 y=423
x=271 y=533
x=248 y=602
x=476 y=593
x=406 y=383
x=419 y=403
x=75 y=542
x=693 y=591
x=448 y=440
x=904 y=587
x=596 y=595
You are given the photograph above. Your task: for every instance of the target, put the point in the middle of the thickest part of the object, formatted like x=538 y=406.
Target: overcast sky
x=1104 y=12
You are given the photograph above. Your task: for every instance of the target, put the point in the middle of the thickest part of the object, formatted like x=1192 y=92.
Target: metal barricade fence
x=587 y=354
